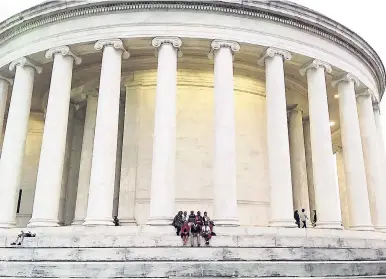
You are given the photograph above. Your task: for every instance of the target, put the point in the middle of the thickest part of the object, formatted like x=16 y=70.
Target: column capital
x=346 y=78
x=10 y=81
x=293 y=108
x=64 y=51
x=272 y=52
x=365 y=93
x=315 y=64
x=116 y=43
x=176 y=42
x=24 y=61
x=89 y=94
x=217 y=44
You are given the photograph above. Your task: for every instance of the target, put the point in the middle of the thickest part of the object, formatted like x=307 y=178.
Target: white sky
x=365 y=17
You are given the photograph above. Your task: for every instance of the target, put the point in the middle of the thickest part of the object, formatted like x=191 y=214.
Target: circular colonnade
x=139 y=109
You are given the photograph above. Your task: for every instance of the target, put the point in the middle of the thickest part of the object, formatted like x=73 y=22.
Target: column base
x=77 y=223
x=380 y=228
x=226 y=222
x=34 y=223
x=7 y=225
x=159 y=221
x=285 y=223
x=362 y=228
x=329 y=225
x=127 y=222
x=91 y=222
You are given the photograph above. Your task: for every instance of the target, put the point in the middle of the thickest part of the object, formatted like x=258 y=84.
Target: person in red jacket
x=185 y=232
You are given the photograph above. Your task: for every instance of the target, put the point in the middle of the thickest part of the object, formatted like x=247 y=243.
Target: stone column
x=85 y=160
x=49 y=179
x=4 y=88
x=101 y=191
x=298 y=161
x=326 y=193
x=14 y=139
x=357 y=194
x=126 y=210
x=371 y=155
x=342 y=187
x=224 y=164
x=308 y=153
x=74 y=166
x=279 y=167
x=66 y=167
x=118 y=165
x=380 y=142
x=164 y=142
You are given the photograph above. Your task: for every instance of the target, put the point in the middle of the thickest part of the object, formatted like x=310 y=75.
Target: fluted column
x=326 y=193
x=224 y=164
x=298 y=161
x=126 y=210
x=101 y=191
x=49 y=179
x=86 y=159
x=279 y=167
x=371 y=155
x=358 y=198
x=164 y=140
x=15 y=136
x=4 y=88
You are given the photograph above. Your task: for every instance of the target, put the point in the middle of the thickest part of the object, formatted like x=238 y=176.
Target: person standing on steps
x=297 y=218
x=303 y=218
x=116 y=221
x=314 y=219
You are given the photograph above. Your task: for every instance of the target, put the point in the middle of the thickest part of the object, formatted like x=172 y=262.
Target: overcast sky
x=365 y=17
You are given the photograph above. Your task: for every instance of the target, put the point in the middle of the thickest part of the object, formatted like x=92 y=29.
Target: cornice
x=283 y=12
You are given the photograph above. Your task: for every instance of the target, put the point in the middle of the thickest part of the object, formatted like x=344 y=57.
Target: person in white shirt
x=303 y=218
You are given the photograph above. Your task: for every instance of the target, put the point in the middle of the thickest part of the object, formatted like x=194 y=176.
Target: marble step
x=340 y=277
x=212 y=269
x=186 y=254
x=101 y=240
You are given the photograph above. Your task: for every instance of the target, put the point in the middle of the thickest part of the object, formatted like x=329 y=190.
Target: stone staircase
x=140 y=252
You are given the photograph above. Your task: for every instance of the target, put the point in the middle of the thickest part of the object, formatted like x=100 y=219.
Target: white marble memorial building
x=141 y=109
x=138 y=109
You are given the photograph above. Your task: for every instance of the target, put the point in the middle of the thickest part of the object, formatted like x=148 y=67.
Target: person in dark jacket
x=314 y=219
x=191 y=218
x=116 y=221
x=199 y=220
x=178 y=222
x=297 y=218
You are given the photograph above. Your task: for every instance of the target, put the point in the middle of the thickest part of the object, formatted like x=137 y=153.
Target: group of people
x=301 y=218
x=194 y=226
